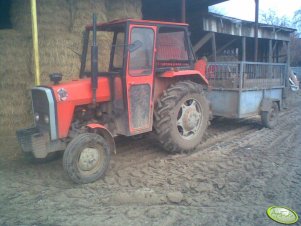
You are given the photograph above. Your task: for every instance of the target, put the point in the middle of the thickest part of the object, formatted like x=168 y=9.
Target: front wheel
x=181 y=117
x=86 y=158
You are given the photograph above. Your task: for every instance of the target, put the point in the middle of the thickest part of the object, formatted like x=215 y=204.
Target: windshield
x=110 y=51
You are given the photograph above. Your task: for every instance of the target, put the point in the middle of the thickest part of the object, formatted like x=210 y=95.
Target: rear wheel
x=270 y=118
x=86 y=158
x=181 y=117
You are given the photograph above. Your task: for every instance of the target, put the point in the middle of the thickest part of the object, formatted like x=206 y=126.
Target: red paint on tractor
x=78 y=93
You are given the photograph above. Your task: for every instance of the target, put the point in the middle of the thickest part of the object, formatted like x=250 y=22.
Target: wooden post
x=288 y=54
x=213 y=42
x=270 y=51
x=35 y=41
x=183 y=11
x=256 y=30
x=244 y=41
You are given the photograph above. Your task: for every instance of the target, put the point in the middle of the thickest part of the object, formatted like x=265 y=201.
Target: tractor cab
x=130 y=54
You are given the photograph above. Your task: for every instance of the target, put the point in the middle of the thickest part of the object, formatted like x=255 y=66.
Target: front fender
x=103 y=131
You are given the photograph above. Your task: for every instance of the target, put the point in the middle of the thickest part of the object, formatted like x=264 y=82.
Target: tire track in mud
x=238 y=165
x=242 y=141
x=150 y=163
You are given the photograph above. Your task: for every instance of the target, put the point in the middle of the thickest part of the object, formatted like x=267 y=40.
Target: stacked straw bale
x=60 y=25
x=15 y=82
x=81 y=13
x=123 y=9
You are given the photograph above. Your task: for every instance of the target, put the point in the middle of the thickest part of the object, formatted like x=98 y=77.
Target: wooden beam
x=202 y=42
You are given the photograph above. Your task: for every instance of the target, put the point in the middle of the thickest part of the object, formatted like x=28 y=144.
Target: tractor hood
x=79 y=92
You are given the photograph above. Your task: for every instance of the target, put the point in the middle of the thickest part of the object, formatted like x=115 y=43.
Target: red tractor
x=153 y=82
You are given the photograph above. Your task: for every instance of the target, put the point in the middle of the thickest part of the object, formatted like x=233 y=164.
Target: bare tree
x=295 y=44
x=297 y=20
x=296 y=40
x=271 y=17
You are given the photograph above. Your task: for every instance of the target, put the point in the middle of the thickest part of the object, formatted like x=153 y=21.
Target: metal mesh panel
x=245 y=75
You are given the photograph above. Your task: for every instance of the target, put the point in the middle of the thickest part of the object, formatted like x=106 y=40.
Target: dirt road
x=238 y=171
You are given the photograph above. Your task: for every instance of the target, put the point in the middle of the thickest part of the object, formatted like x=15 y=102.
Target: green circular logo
x=282 y=214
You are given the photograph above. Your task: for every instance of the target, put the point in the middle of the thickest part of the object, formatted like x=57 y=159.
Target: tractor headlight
x=36 y=117
x=46 y=119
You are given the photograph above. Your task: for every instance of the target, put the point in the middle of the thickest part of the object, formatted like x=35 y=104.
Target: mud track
x=238 y=171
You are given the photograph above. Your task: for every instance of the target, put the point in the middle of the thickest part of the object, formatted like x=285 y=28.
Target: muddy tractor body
x=152 y=81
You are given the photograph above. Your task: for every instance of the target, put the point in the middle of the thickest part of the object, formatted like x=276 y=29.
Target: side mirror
x=135 y=45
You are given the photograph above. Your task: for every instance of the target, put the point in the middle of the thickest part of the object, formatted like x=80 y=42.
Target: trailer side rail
x=246 y=75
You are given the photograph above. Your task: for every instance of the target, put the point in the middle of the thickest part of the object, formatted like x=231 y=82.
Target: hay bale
x=81 y=13
x=123 y=9
x=15 y=80
x=52 y=15
x=20 y=16
x=56 y=55
x=60 y=25
x=71 y=15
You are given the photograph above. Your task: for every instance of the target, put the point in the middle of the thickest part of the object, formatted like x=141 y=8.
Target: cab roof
x=135 y=21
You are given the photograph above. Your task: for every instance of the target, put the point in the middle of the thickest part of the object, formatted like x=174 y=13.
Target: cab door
x=140 y=77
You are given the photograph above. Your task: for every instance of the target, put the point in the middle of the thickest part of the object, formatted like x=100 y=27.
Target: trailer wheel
x=86 y=158
x=181 y=117
x=270 y=118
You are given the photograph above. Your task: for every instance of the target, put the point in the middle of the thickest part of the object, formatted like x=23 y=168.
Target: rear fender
x=103 y=131
x=191 y=74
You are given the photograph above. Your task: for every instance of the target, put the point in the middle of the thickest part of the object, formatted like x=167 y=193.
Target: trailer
x=244 y=89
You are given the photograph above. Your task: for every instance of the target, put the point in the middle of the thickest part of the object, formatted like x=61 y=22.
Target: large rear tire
x=181 y=117
x=86 y=158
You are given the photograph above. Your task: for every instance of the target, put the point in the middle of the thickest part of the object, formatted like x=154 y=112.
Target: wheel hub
x=88 y=159
x=190 y=119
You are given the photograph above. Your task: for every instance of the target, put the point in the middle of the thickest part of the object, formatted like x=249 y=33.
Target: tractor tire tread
x=163 y=109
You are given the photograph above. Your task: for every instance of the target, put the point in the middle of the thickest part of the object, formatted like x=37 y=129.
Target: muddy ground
x=238 y=171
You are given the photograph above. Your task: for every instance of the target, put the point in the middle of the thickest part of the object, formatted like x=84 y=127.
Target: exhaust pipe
x=94 y=63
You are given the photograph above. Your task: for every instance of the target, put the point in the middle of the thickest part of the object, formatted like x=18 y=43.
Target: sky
x=245 y=9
